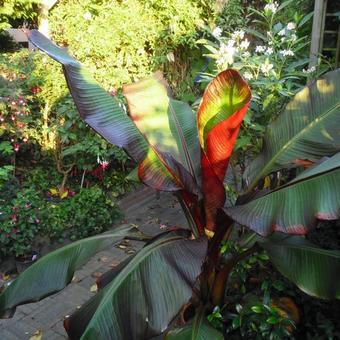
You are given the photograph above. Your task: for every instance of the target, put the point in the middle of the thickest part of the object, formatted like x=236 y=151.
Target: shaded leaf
x=144 y=297
x=308 y=129
x=54 y=271
x=314 y=270
x=294 y=207
x=198 y=329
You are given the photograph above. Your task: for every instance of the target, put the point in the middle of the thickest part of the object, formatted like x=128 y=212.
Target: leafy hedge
x=122 y=41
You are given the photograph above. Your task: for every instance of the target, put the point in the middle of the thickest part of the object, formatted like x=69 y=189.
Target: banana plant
x=182 y=272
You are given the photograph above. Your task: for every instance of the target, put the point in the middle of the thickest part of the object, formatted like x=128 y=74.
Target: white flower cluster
x=288 y=30
x=309 y=70
x=238 y=35
x=227 y=52
x=266 y=67
x=233 y=46
x=217 y=32
x=287 y=53
x=264 y=49
x=272 y=7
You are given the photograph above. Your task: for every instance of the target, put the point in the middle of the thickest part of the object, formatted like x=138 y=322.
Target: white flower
x=266 y=67
x=248 y=75
x=217 y=32
x=293 y=37
x=238 y=35
x=230 y=43
x=87 y=16
x=286 y=53
x=246 y=54
x=291 y=26
x=269 y=51
x=282 y=32
x=272 y=7
x=227 y=53
x=260 y=49
x=309 y=70
x=244 y=44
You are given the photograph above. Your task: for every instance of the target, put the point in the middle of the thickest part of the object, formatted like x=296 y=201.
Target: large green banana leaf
x=308 y=129
x=314 y=270
x=169 y=124
x=294 y=207
x=198 y=329
x=105 y=115
x=145 y=295
x=54 y=271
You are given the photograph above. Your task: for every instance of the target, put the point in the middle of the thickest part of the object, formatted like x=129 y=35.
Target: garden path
x=142 y=207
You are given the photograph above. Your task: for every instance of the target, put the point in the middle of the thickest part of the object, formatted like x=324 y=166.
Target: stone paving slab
x=144 y=208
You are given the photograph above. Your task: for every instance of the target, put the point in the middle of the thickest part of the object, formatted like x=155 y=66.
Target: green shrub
x=20 y=222
x=87 y=213
x=122 y=41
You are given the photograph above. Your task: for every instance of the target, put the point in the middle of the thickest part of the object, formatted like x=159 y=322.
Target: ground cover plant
x=188 y=154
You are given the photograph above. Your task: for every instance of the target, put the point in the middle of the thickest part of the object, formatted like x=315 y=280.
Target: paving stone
x=22 y=329
x=142 y=207
x=52 y=335
x=59 y=329
x=5 y=334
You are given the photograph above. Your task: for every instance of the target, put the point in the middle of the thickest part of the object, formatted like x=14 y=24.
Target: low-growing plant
x=188 y=155
x=20 y=223
x=75 y=218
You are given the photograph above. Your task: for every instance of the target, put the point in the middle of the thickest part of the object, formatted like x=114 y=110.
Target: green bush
x=88 y=213
x=20 y=222
x=122 y=41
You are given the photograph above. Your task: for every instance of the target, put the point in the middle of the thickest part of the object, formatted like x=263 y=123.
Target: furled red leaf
x=220 y=114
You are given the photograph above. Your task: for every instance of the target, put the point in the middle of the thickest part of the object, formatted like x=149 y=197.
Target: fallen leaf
x=104 y=259
x=94 y=288
x=37 y=335
x=115 y=263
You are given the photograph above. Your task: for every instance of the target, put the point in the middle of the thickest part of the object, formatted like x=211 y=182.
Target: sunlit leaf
x=295 y=207
x=220 y=114
x=308 y=129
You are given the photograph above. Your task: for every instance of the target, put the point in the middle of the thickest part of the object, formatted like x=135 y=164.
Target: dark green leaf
x=314 y=270
x=295 y=207
x=54 y=271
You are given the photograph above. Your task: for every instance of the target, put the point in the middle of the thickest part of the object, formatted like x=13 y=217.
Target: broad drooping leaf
x=146 y=294
x=169 y=124
x=314 y=270
x=54 y=271
x=308 y=129
x=198 y=329
x=294 y=208
x=104 y=114
x=220 y=114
